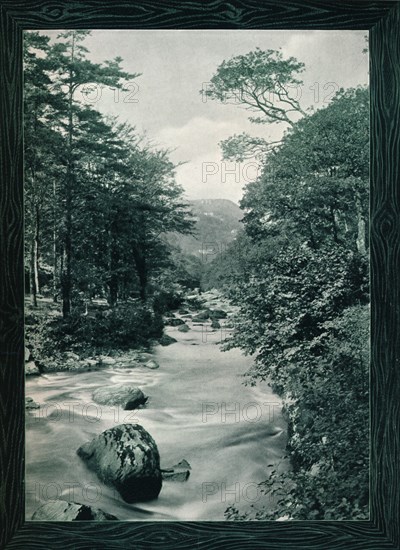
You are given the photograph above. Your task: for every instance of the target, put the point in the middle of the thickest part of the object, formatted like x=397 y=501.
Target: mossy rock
x=202 y=316
x=174 y=322
x=166 y=340
x=218 y=314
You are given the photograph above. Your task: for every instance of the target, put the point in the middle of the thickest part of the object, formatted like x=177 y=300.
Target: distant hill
x=217 y=224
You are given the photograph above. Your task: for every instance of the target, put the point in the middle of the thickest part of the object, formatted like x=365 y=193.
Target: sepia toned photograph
x=196 y=251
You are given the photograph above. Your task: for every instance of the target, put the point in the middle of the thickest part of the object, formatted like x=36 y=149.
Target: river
x=198 y=410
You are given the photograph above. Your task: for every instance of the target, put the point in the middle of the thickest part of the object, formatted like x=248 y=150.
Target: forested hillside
x=217 y=225
x=299 y=272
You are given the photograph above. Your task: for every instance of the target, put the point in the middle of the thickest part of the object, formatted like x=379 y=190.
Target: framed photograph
x=199 y=274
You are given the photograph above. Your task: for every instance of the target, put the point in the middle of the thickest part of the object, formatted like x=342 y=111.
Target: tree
x=263 y=82
x=71 y=70
x=43 y=151
x=312 y=185
x=158 y=209
x=130 y=195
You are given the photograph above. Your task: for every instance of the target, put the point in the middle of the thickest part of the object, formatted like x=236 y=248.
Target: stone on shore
x=218 y=314
x=31 y=368
x=174 y=322
x=166 y=340
x=107 y=360
x=151 y=364
x=30 y=404
x=61 y=510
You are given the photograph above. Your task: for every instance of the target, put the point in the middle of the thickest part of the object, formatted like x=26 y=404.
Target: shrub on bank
x=327 y=409
x=126 y=326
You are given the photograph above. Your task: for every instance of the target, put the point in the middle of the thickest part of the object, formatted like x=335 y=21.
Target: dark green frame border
x=382 y=18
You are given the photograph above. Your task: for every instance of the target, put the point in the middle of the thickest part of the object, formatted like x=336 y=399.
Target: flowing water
x=198 y=410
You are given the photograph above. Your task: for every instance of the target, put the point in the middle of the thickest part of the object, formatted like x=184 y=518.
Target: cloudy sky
x=165 y=103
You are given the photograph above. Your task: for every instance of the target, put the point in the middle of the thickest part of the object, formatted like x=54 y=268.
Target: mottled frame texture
x=382 y=19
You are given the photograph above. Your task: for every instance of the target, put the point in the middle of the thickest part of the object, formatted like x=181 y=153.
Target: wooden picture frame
x=382 y=19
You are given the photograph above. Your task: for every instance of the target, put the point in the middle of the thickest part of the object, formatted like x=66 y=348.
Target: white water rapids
x=198 y=410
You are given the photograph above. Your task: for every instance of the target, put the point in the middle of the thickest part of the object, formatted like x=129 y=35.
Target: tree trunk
x=36 y=259
x=334 y=226
x=66 y=286
x=312 y=238
x=141 y=268
x=112 y=283
x=66 y=283
x=66 y=278
x=361 y=245
x=55 y=262
x=32 y=278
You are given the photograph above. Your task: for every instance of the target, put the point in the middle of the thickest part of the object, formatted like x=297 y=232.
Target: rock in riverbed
x=183 y=328
x=166 y=340
x=30 y=404
x=128 y=397
x=218 y=314
x=127 y=458
x=60 y=510
x=151 y=364
x=178 y=472
x=105 y=360
x=202 y=316
x=174 y=322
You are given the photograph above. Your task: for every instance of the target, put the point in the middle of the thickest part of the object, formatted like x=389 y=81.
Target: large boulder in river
x=128 y=397
x=125 y=457
x=60 y=510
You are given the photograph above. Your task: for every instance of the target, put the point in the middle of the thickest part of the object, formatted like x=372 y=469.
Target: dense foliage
x=299 y=273
x=99 y=198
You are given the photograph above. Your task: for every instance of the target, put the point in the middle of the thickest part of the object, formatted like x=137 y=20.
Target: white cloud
x=205 y=175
